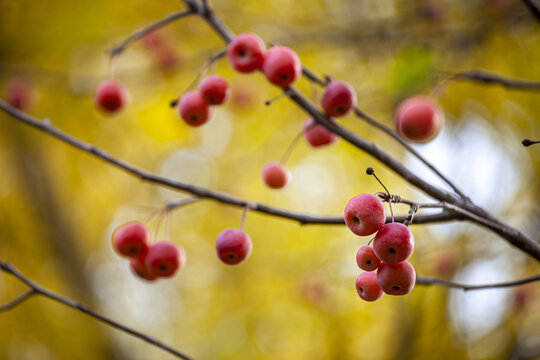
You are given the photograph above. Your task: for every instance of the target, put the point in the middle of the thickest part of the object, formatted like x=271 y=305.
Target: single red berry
x=194 y=110
x=317 y=135
x=275 y=175
x=111 y=96
x=397 y=279
x=131 y=239
x=138 y=267
x=18 y=93
x=214 y=90
x=282 y=67
x=366 y=258
x=164 y=259
x=338 y=99
x=394 y=243
x=246 y=52
x=365 y=214
x=418 y=119
x=367 y=287
x=233 y=246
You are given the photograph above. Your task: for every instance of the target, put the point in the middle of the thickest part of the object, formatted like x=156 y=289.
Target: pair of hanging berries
x=197 y=106
x=365 y=215
x=148 y=261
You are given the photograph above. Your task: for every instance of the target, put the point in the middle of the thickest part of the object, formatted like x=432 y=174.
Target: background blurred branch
x=534 y=7
x=434 y=281
x=488 y=77
x=37 y=289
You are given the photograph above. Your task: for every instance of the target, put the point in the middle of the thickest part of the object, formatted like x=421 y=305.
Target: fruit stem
x=244 y=214
x=291 y=147
x=527 y=142
x=441 y=87
x=277 y=97
x=370 y=171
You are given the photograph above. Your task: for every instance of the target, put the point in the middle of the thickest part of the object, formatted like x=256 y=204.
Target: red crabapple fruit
x=282 y=67
x=317 y=135
x=18 y=93
x=338 y=99
x=246 y=52
x=194 y=110
x=366 y=258
x=394 y=243
x=367 y=287
x=164 y=259
x=365 y=214
x=275 y=175
x=233 y=246
x=131 y=239
x=418 y=119
x=214 y=90
x=397 y=279
x=138 y=267
x=111 y=96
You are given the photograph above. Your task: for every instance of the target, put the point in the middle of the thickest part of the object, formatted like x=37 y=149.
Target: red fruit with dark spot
x=131 y=239
x=394 y=243
x=138 y=267
x=418 y=119
x=233 y=246
x=164 y=259
x=338 y=99
x=398 y=279
x=317 y=135
x=365 y=214
x=366 y=258
x=214 y=90
x=367 y=287
x=246 y=52
x=110 y=96
x=282 y=66
x=194 y=110
x=275 y=175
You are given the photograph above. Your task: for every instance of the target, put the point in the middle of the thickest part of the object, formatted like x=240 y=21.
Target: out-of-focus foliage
x=294 y=298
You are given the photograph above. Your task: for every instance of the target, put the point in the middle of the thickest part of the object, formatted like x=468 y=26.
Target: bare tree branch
x=17 y=301
x=37 y=289
x=118 y=49
x=420 y=280
x=534 y=7
x=488 y=77
x=199 y=191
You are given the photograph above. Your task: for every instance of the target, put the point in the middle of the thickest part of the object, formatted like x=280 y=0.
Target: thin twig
x=118 y=49
x=434 y=281
x=40 y=290
x=18 y=300
x=491 y=78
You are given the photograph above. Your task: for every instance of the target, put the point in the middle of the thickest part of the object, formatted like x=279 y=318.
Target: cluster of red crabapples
x=150 y=261
x=365 y=215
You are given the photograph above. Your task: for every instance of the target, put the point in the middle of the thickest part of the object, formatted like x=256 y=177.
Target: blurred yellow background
x=294 y=298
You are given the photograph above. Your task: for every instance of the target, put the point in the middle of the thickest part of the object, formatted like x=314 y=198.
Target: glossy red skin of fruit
x=246 y=52
x=18 y=93
x=131 y=239
x=366 y=258
x=193 y=110
x=367 y=287
x=394 y=243
x=214 y=90
x=338 y=99
x=138 y=267
x=398 y=279
x=418 y=119
x=164 y=259
x=275 y=175
x=317 y=135
x=365 y=214
x=282 y=66
x=111 y=96
x=233 y=246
